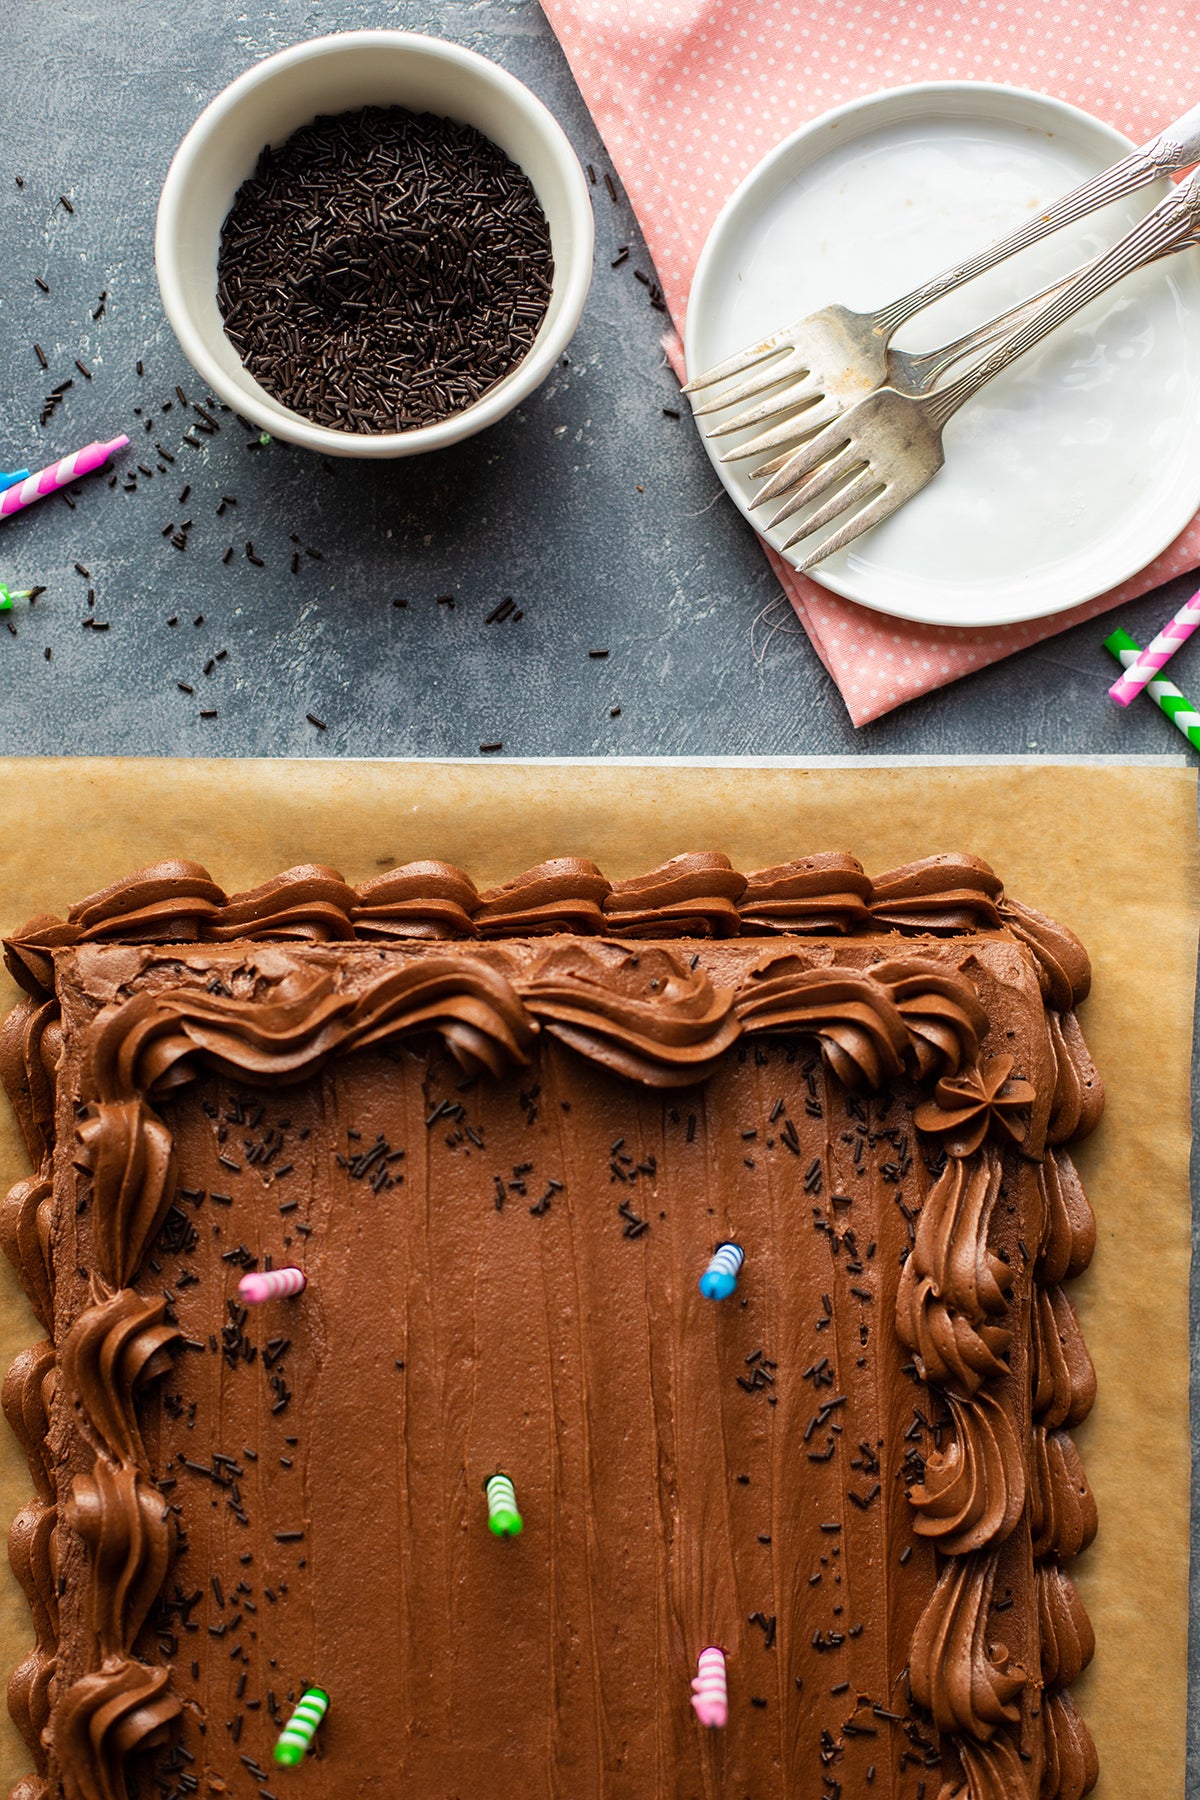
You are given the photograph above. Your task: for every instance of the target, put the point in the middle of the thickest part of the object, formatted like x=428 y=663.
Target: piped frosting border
x=902 y=1020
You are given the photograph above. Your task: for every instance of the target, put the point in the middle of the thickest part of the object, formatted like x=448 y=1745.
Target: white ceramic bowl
x=339 y=74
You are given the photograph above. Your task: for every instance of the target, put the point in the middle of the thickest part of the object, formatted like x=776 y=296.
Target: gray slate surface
x=598 y=514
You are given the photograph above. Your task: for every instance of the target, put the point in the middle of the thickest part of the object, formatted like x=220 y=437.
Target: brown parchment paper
x=1109 y=849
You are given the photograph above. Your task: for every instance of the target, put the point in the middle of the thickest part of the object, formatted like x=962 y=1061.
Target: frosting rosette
x=985 y=1098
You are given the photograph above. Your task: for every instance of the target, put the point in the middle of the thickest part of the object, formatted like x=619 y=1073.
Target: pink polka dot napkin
x=691 y=94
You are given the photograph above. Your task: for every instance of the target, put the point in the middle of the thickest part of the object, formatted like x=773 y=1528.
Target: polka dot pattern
x=691 y=94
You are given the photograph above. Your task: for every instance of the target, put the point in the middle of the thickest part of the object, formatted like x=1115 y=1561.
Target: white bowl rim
x=528 y=374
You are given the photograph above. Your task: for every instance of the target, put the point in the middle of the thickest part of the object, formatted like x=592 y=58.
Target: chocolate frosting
x=986 y=1099
x=973 y=1493
x=1064 y=1381
x=695 y=895
x=690 y=896
x=564 y=895
x=952 y=1284
x=422 y=900
x=965 y=1681
x=1068 y=1641
x=1072 y=1767
x=1062 y=1508
x=941 y=893
x=825 y=895
x=647 y=1015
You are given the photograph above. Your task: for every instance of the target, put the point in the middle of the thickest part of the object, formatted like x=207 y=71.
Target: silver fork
x=888 y=445
x=836 y=356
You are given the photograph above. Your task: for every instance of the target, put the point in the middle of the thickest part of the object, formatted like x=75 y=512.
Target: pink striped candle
x=272 y=1284
x=1159 y=651
x=58 y=475
x=710 y=1692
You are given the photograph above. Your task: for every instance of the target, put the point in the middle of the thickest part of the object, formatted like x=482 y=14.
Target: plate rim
x=862 y=107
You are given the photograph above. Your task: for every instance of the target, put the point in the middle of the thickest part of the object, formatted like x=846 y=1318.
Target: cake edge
x=151 y=909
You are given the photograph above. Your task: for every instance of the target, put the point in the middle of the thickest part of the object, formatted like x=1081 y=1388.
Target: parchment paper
x=1110 y=850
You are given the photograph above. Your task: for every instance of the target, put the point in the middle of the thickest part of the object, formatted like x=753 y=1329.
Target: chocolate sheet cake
x=502 y=1135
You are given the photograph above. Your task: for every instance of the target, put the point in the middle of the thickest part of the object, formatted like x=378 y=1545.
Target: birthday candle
x=8 y=595
x=720 y=1278
x=272 y=1284
x=710 y=1691
x=295 y=1740
x=58 y=475
x=503 y=1517
x=1157 y=653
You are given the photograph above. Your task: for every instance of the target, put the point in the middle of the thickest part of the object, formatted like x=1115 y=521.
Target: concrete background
x=598 y=514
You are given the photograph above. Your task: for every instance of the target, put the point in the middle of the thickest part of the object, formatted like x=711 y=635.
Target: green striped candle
x=295 y=1740
x=1177 y=706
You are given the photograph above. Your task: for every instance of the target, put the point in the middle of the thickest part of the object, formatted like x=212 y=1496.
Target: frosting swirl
x=691 y=896
x=1062 y=1507
x=562 y=895
x=1071 y=1768
x=951 y=1282
x=862 y=1035
x=1078 y=1094
x=113 y=1350
x=419 y=900
x=168 y=902
x=30 y=1042
x=824 y=894
x=973 y=1493
x=123 y=1521
x=951 y=893
x=1068 y=1641
x=105 y=1716
x=964 y=1681
x=1064 y=1381
x=27 y=1398
x=1066 y=973
x=26 y=1222
x=941 y=1013
x=991 y=1771
x=1069 y=1224
x=642 y=1016
x=308 y=904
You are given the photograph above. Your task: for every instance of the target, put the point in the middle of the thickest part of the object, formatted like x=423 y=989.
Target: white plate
x=1066 y=474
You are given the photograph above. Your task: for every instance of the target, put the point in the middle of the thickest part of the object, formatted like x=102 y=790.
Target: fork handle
x=1169 y=227
x=1178 y=147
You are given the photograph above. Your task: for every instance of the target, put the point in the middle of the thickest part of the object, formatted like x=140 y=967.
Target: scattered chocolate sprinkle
x=40 y=283
x=487 y=749
x=65 y=204
x=41 y=356
x=83 y=369
x=313 y=720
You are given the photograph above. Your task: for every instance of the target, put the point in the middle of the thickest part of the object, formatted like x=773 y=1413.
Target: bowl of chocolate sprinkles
x=374 y=244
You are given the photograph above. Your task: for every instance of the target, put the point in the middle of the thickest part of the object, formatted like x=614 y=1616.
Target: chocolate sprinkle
x=382 y=269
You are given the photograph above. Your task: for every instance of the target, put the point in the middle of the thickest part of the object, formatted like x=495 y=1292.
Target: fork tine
x=861 y=488
x=758 y=384
x=805 y=390
x=801 y=425
x=734 y=365
x=801 y=462
x=828 y=442
x=867 y=517
x=825 y=476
